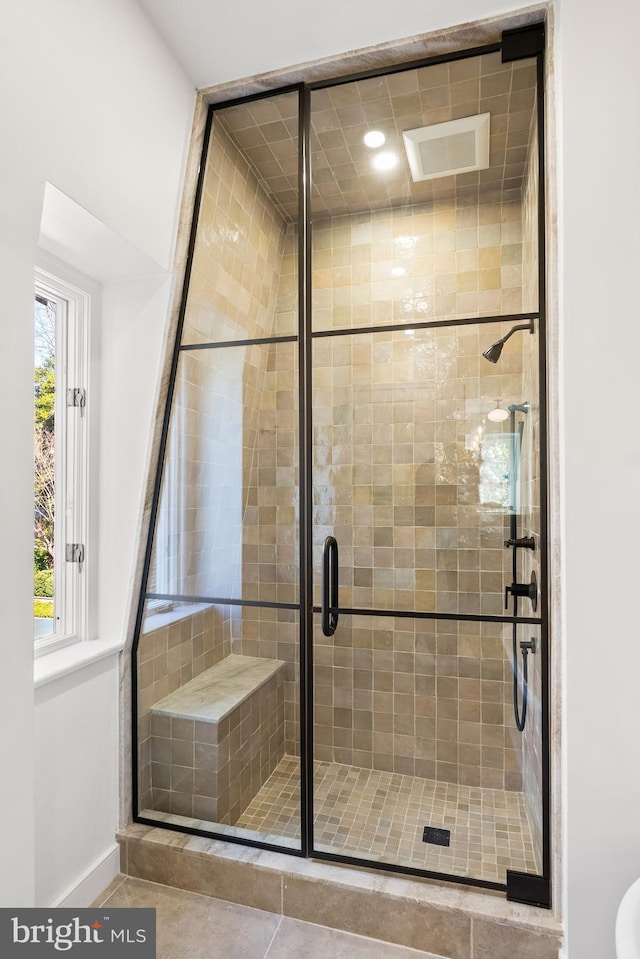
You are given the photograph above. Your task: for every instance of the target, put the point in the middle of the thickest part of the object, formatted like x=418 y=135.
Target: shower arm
x=492 y=353
x=516 y=329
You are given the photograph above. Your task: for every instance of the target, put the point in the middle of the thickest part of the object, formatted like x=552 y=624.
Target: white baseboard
x=90 y=884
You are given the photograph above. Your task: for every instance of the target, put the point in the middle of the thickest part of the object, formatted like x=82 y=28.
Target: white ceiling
x=216 y=42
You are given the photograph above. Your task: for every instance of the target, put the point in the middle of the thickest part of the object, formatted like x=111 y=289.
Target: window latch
x=74 y=553
x=77 y=396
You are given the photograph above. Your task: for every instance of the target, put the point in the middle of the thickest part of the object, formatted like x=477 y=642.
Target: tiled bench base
x=217 y=739
x=447 y=920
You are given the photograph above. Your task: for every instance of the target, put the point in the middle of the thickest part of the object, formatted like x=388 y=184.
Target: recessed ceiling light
x=374 y=138
x=385 y=160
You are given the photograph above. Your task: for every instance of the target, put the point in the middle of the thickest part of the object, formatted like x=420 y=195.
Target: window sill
x=70 y=659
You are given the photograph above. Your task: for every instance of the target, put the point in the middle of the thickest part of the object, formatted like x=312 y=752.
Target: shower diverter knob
x=527 y=590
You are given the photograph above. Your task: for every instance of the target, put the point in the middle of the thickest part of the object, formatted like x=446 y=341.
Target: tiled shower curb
x=449 y=921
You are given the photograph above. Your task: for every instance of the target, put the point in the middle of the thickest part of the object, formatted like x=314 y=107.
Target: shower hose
x=524 y=647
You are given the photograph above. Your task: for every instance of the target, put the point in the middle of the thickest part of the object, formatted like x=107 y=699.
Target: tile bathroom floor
x=381 y=815
x=191 y=926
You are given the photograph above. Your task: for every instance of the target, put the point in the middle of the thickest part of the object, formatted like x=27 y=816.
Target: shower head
x=493 y=352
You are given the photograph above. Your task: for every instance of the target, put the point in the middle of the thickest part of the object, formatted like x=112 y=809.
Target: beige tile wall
x=237 y=259
x=398 y=443
x=275 y=634
x=397 y=455
x=214 y=436
x=390 y=412
x=423 y=698
x=452 y=258
x=270 y=536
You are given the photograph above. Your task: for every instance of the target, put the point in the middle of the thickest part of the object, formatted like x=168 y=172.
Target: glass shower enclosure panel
x=426 y=472
x=218 y=718
x=417 y=490
x=341 y=645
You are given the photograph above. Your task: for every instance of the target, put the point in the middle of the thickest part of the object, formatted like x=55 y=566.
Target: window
x=500 y=471
x=61 y=313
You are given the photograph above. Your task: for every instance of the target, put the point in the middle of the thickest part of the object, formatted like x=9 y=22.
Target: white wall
x=91 y=101
x=133 y=325
x=76 y=758
x=600 y=243
x=109 y=125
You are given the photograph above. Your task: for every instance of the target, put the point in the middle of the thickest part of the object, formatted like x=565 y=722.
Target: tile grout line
x=200 y=895
x=112 y=893
x=275 y=933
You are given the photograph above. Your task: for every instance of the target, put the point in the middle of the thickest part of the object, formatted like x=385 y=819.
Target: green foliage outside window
x=43 y=583
x=44 y=387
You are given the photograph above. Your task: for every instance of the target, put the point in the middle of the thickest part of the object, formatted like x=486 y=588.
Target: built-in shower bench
x=217 y=739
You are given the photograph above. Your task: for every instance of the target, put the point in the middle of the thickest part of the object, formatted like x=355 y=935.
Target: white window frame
x=72 y=437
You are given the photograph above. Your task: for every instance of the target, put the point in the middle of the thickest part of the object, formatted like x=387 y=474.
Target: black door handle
x=329 y=586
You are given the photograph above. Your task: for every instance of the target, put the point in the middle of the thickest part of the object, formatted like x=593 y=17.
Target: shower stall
x=341 y=647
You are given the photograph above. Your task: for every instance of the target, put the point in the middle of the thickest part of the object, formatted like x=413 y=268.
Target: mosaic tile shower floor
x=381 y=815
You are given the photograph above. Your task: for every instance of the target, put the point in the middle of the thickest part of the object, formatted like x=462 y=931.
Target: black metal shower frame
x=527 y=42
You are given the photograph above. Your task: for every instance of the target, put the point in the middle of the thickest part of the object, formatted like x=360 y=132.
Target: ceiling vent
x=444 y=149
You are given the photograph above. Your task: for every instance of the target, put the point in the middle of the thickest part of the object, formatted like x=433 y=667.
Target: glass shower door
x=413 y=717
x=418 y=763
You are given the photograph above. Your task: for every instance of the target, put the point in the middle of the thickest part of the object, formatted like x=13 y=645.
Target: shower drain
x=437 y=837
